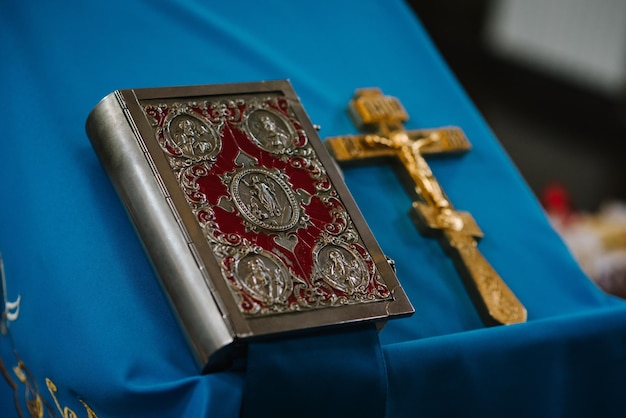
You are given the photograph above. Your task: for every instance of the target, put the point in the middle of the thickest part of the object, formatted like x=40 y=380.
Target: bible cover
x=242 y=212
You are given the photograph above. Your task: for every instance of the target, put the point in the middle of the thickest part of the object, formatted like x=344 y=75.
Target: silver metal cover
x=243 y=213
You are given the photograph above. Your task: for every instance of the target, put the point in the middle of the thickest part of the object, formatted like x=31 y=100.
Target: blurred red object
x=557 y=202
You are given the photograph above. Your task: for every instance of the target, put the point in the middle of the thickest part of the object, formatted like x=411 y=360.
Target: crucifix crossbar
x=383 y=118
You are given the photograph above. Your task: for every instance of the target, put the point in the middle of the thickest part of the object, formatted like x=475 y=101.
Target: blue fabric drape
x=92 y=317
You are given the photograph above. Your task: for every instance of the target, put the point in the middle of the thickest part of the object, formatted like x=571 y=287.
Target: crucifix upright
x=383 y=117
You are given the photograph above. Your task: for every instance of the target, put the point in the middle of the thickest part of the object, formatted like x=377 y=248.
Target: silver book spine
x=119 y=146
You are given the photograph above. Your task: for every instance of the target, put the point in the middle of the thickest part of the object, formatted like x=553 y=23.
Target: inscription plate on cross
x=383 y=117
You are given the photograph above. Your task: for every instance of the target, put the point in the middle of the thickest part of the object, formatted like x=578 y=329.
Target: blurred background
x=549 y=76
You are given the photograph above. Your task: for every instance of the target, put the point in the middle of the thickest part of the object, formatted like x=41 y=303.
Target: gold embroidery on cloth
x=24 y=381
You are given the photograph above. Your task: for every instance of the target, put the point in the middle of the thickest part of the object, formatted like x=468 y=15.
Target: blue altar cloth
x=94 y=330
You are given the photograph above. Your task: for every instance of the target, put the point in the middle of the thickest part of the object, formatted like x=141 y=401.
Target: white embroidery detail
x=11 y=309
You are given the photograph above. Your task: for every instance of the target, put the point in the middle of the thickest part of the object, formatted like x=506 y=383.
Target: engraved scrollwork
x=317 y=296
x=314 y=168
x=224 y=110
x=188 y=181
x=341 y=219
x=220 y=241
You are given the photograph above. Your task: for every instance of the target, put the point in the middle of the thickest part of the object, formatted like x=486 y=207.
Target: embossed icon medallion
x=264 y=277
x=270 y=130
x=341 y=268
x=265 y=199
x=191 y=136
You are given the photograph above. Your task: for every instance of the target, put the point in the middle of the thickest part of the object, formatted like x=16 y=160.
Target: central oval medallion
x=265 y=199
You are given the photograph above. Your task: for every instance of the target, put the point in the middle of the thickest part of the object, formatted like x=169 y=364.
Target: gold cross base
x=457 y=233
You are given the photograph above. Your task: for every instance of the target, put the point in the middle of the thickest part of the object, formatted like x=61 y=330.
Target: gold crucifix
x=383 y=117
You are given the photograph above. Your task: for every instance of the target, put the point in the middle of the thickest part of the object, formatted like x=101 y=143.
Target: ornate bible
x=243 y=214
